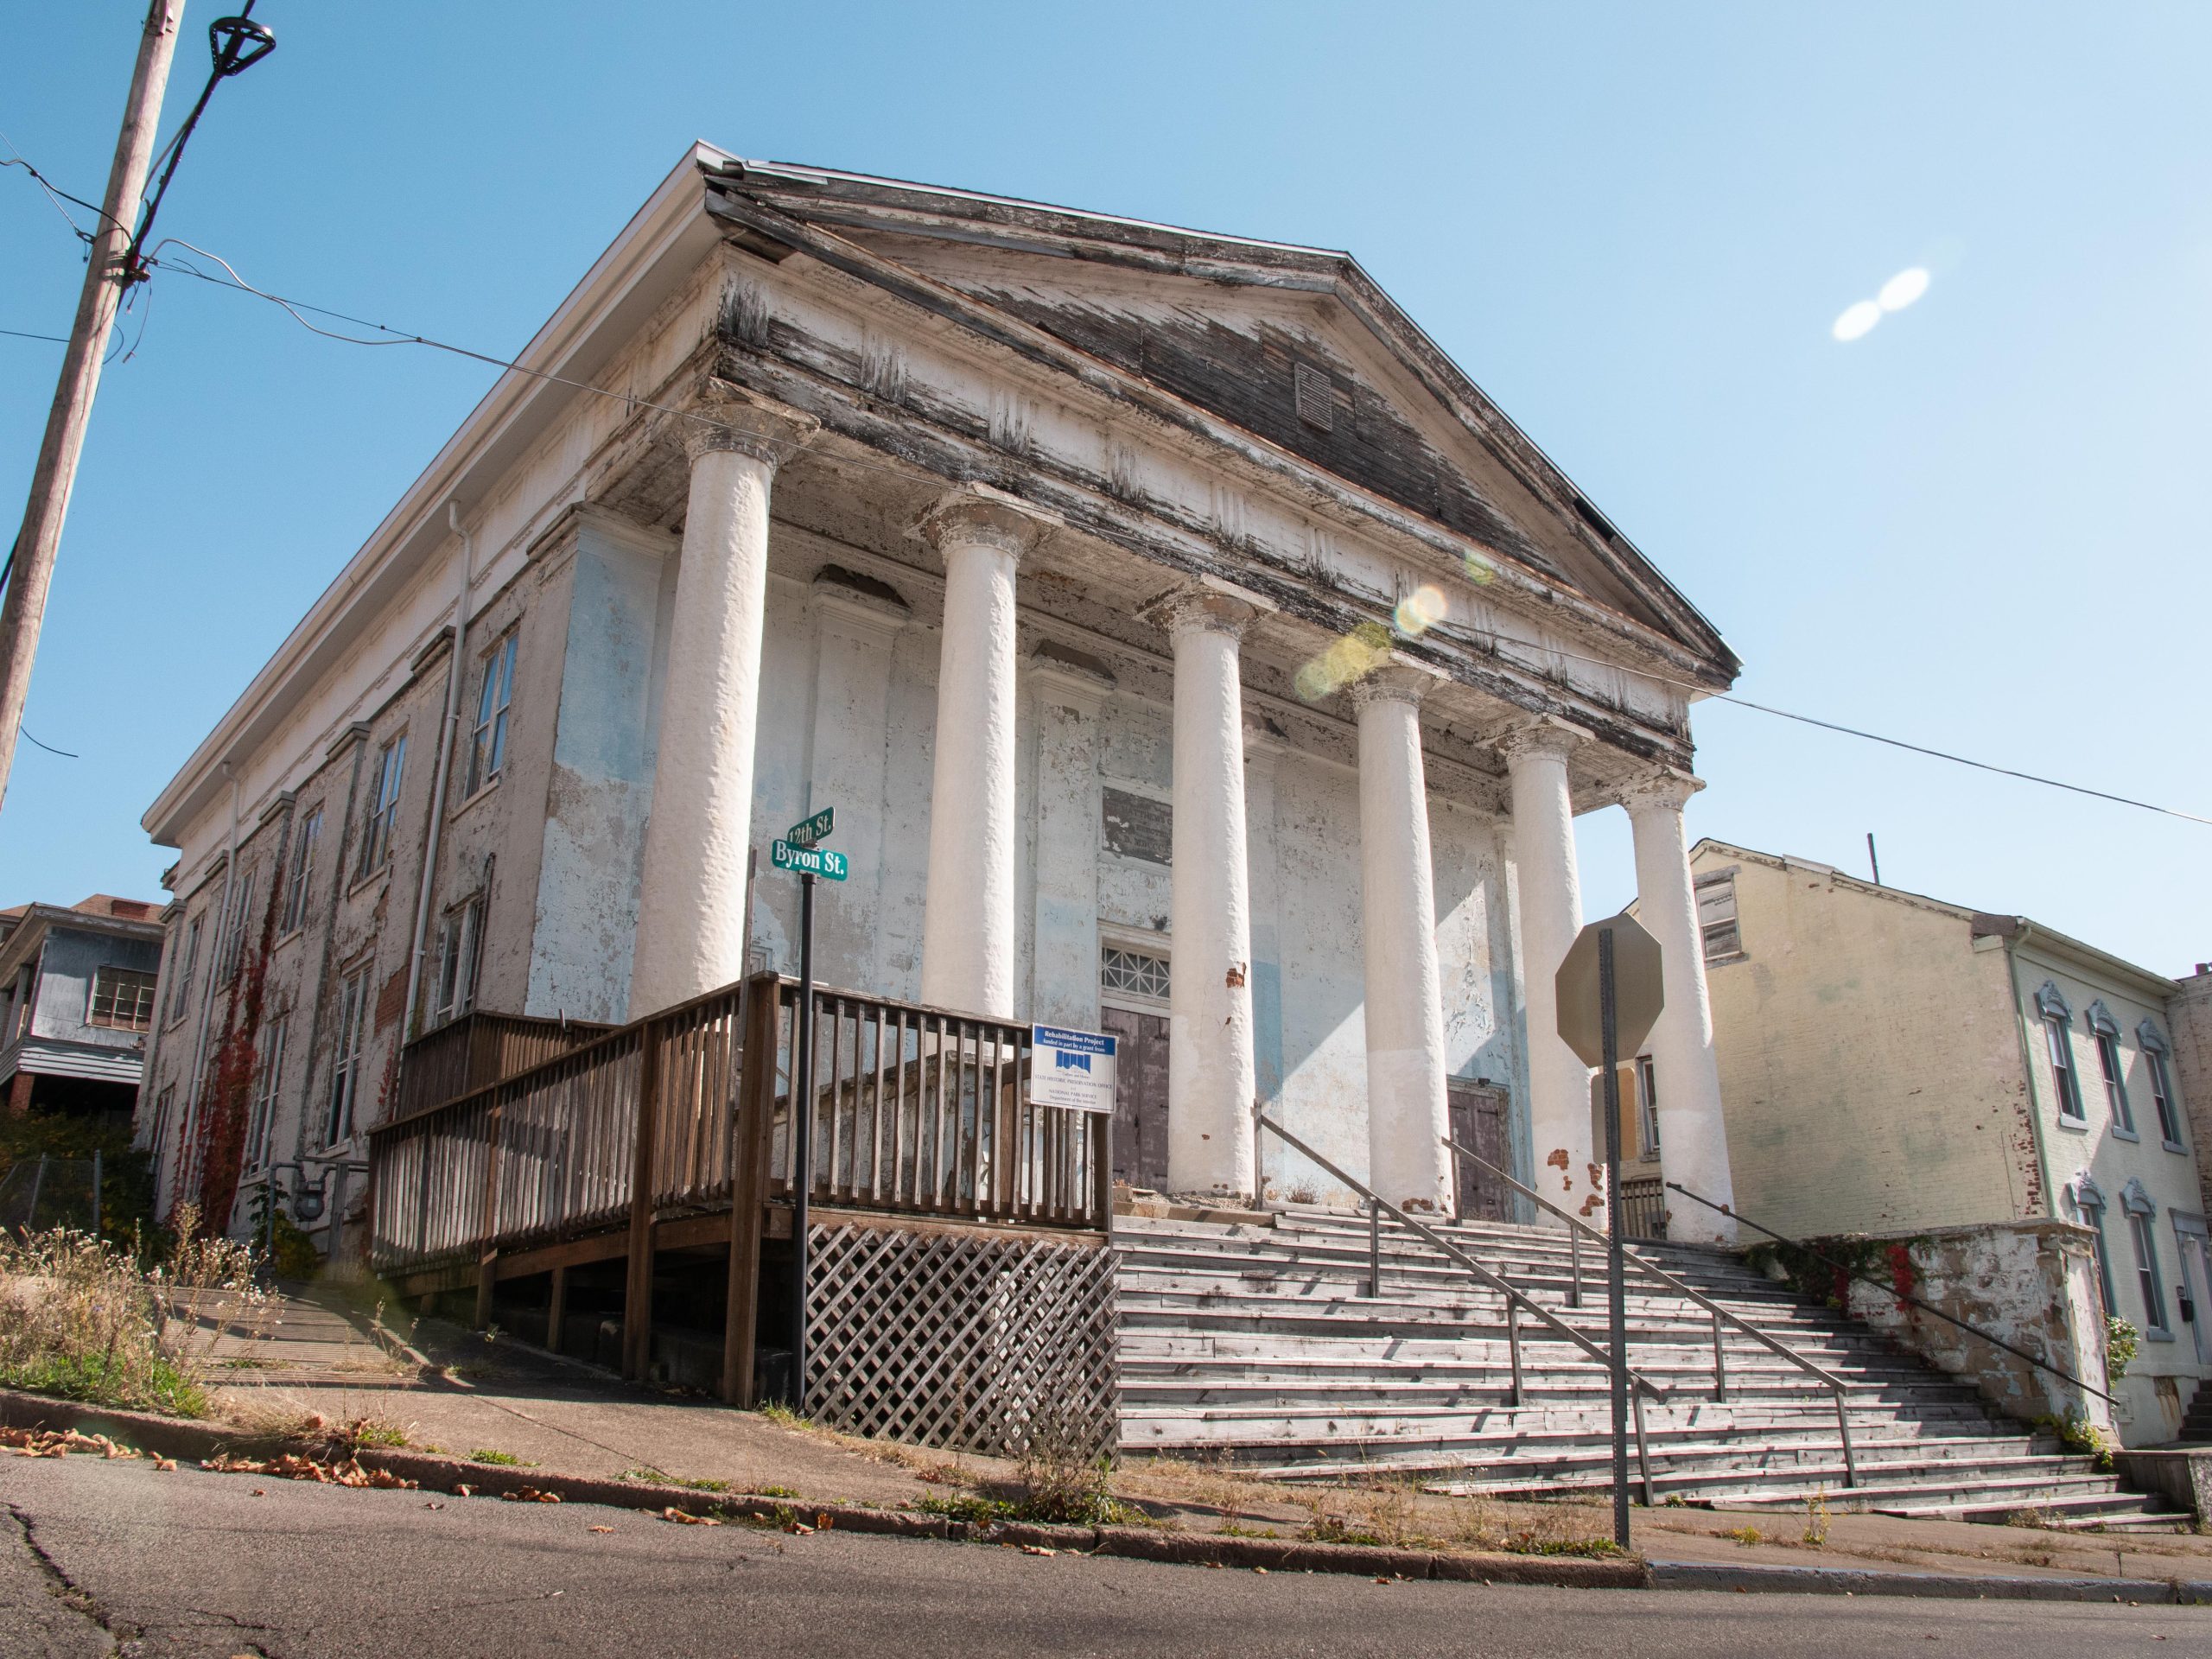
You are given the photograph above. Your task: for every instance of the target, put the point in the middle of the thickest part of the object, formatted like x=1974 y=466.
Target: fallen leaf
x=464 y=1491
x=1261 y=1571
x=685 y=1518
x=433 y=1506
x=599 y=1528
x=167 y=1465
x=1037 y=1549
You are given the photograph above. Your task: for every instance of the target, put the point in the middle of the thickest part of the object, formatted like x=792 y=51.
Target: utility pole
x=106 y=275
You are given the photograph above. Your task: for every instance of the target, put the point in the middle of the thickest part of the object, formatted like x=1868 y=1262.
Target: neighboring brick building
x=1894 y=1065
x=2190 y=1012
x=76 y=1003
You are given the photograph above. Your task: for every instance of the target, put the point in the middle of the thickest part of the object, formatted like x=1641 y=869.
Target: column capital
x=1541 y=734
x=1667 y=788
x=979 y=513
x=1396 y=678
x=1209 y=603
x=727 y=419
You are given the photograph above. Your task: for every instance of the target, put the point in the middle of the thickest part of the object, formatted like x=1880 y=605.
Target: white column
x=691 y=922
x=1407 y=1117
x=1064 y=955
x=1565 y=1168
x=855 y=634
x=1693 y=1136
x=967 y=958
x=1211 y=1077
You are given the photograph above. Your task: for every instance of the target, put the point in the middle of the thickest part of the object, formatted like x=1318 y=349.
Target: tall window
x=122 y=999
x=300 y=875
x=1716 y=917
x=2146 y=1269
x=345 y=1059
x=383 y=807
x=164 y=1108
x=487 y=743
x=2106 y=1031
x=2153 y=1042
x=260 y=1115
x=186 y=960
x=453 y=963
x=1647 y=1096
x=234 y=939
x=2058 y=1037
x=2093 y=1217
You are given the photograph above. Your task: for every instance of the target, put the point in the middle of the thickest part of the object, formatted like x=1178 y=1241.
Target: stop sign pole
x=1610 y=991
x=1616 y=1263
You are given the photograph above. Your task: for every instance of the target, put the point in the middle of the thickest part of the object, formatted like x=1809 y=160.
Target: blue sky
x=1978 y=527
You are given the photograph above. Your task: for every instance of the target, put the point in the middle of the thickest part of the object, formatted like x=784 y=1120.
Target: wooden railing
x=918 y=1110
x=926 y=1111
x=1643 y=1207
x=479 y=1049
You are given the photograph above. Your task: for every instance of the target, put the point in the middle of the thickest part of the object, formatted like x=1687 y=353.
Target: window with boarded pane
x=261 y=1114
x=1716 y=917
x=384 y=806
x=300 y=874
x=346 y=1058
x=487 y=743
x=181 y=967
x=122 y=999
x=452 y=987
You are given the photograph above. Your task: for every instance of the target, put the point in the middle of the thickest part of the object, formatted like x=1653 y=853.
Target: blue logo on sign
x=1064 y=1061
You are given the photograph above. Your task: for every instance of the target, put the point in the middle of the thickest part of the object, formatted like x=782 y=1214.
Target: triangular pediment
x=1295 y=347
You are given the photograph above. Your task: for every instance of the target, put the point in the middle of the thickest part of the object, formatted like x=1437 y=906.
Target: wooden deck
x=673 y=1134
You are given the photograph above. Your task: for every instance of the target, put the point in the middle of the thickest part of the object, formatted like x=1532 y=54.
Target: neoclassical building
x=1188 y=648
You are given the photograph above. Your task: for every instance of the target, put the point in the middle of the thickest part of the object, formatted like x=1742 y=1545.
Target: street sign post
x=1070 y=1069
x=1609 y=989
x=800 y=852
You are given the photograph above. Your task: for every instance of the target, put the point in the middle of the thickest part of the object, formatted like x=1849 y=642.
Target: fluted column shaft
x=1211 y=1079
x=968 y=919
x=1693 y=1135
x=1407 y=1113
x=691 y=922
x=1550 y=915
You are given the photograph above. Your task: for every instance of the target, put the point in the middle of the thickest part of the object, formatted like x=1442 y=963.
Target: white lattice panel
x=938 y=1337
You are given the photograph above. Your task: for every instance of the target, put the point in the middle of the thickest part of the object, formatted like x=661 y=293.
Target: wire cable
x=401 y=337
x=49 y=747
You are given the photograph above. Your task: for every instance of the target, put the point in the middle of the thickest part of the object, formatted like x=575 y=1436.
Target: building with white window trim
x=1896 y=1066
x=1183 y=641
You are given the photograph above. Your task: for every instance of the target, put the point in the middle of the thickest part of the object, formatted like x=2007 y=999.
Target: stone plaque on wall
x=1136 y=826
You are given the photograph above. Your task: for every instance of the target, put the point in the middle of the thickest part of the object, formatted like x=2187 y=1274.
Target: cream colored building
x=1891 y=1064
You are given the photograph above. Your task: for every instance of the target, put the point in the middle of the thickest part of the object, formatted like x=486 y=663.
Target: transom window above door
x=1133 y=973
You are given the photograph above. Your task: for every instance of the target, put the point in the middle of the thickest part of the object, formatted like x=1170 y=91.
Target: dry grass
x=84 y=1320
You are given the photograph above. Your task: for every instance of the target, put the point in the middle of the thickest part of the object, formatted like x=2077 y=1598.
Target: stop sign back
x=1638 y=991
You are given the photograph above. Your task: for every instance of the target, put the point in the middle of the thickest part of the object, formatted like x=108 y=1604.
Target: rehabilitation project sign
x=1070 y=1069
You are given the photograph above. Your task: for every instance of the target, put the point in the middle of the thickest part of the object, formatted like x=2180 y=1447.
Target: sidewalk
x=450 y=1390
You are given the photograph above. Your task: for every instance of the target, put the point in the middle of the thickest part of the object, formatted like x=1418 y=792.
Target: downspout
x=192 y=1103
x=447 y=732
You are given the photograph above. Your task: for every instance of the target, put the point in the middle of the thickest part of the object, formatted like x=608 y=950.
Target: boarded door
x=1140 y=1095
x=1479 y=1124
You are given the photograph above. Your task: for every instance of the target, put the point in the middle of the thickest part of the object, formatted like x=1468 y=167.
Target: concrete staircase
x=1256 y=1341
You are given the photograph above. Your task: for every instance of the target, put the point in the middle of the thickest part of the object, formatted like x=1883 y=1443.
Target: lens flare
x=1422 y=609
x=1857 y=320
x=1904 y=289
x=1344 y=662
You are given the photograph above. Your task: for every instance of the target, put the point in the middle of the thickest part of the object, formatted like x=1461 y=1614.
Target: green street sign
x=809 y=860
x=811 y=832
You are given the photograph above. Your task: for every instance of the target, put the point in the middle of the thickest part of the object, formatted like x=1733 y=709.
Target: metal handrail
x=1515 y=1298
x=1720 y=1315
x=1679 y=1286
x=1829 y=1262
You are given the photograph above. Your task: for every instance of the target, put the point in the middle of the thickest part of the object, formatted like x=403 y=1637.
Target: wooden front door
x=1479 y=1124
x=1140 y=1095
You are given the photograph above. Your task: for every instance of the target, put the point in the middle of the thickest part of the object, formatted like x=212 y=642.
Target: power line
x=401 y=337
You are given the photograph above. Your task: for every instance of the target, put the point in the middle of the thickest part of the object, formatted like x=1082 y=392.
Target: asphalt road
x=100 y=1558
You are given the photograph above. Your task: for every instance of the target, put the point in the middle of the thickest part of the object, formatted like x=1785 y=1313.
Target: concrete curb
x=178 y=1438
x=1761 y=1580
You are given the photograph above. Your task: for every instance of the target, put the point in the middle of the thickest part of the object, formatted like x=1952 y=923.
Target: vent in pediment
x=1316 y=397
